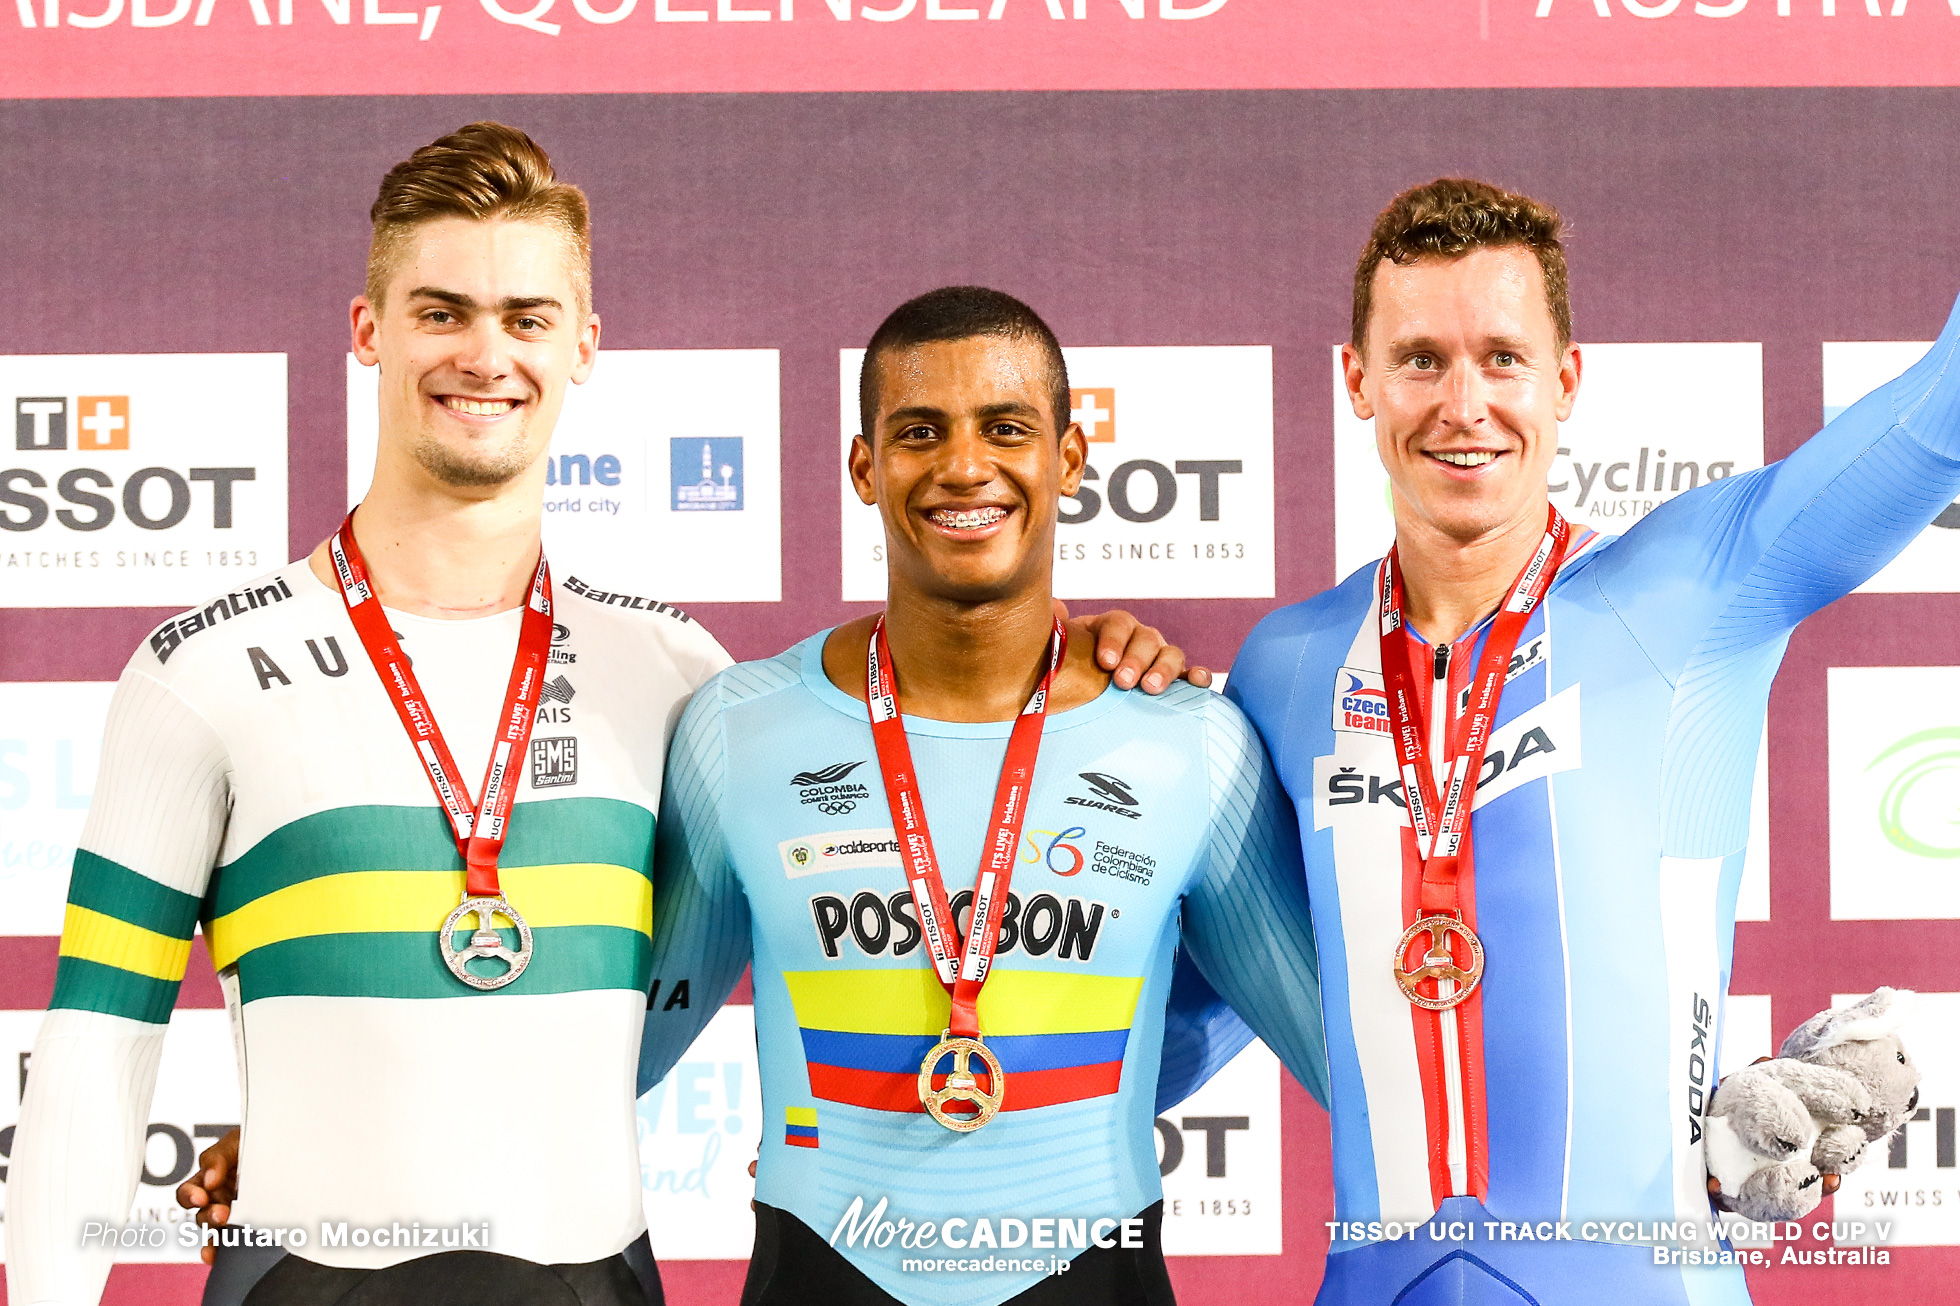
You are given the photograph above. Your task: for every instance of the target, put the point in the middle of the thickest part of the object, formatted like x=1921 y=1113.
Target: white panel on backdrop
x=196 y=1103
x=1752 y=903
x=1222 y=1188
x=140 y=480
x=1912 y=1181
x=699 y=1129
x=1852 y=370
x=1178 y=502
x=665 y=474
x=50 y=744
x=1895 y=791
x=1651 y=421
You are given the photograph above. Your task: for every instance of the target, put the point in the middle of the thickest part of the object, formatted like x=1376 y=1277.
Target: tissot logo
x=1112 y=795
x=1094 y=410
x=1176 y=500
x=143 y=480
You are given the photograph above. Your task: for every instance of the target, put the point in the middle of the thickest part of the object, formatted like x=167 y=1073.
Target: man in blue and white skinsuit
x=1611 y=810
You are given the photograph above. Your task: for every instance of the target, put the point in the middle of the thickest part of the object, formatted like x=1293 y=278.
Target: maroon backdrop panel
x=794 y=222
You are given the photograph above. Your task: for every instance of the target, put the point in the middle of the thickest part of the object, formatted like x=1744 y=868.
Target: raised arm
x=1246 y=923
x=152 y=834
x=700 y=914
x=1738 y=562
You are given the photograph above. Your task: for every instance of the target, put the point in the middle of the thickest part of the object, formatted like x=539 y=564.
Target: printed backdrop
x=1761 y=199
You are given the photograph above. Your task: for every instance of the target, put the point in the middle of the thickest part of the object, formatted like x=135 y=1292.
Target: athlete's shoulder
x=743 y=683
x=1298 y=638
x=644 y=624
x=222 y=626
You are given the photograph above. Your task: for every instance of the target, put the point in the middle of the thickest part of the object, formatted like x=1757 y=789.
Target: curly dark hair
x=1448 y=218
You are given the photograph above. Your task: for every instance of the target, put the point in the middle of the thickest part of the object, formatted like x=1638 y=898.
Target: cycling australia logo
x=830 y=789
x=707 y=474
x=163 y=490
x=1109 y=795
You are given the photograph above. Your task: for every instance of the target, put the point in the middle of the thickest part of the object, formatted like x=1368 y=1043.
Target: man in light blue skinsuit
x=1610 y=811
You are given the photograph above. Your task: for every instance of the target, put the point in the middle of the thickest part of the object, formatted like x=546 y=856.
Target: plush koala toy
x=1841 y=1081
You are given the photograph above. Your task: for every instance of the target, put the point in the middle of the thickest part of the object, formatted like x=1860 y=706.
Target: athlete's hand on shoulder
x=212 y=1190
x=1133 y=652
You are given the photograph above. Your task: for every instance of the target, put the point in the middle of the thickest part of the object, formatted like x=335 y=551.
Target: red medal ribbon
x=1442 y=821
x=964 y=976
x=479 y=830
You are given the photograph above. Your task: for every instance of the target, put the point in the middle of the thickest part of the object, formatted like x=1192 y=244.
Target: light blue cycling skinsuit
x=1152 y=822
x=1609 y=831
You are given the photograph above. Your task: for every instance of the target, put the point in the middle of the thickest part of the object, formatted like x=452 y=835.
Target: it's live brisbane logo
x=140 y=480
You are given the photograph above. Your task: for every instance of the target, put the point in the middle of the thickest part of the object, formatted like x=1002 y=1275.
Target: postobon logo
x=163 y=486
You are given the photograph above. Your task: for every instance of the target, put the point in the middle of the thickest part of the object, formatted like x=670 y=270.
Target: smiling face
x=477 y=335
x=966 y=467
x=1463 y=375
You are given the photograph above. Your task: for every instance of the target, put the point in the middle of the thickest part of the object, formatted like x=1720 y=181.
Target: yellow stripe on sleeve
x=372 y=902
x=800 y=1115
x=92 y=936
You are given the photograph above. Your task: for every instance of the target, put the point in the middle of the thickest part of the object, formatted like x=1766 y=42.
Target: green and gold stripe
x=556 y=832
x=125 y=941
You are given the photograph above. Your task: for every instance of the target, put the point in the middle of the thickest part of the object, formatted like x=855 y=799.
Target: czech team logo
x=1360 y=704
x=707 y=474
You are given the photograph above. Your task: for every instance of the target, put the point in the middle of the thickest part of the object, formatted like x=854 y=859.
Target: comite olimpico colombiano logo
x=1919 y=808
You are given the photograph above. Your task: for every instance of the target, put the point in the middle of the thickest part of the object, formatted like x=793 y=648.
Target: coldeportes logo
x=1919 y=808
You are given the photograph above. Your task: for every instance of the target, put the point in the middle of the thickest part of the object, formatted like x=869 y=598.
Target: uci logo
x=1056 y=853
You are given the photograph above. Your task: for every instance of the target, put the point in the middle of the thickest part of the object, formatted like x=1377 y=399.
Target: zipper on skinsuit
x=1442 y=713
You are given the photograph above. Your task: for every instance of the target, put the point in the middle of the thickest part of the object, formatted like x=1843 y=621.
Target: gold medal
x=1437 y=962
x=961 y=1084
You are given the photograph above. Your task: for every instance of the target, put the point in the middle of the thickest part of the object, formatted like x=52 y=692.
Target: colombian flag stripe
x=902 y=1053
x=912 y=1001
x=1026 y=1090
x=800 y=1126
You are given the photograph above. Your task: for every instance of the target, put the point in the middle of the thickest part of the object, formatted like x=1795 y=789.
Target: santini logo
x=1112 y=795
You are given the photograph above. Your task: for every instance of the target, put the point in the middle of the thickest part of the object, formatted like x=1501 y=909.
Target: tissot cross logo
x=1112 y=795
x=1094 y=410
x=97 y=422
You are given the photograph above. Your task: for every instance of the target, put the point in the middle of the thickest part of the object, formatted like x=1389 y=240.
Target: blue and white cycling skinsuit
x=1152 y=822
x=1609 y=831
